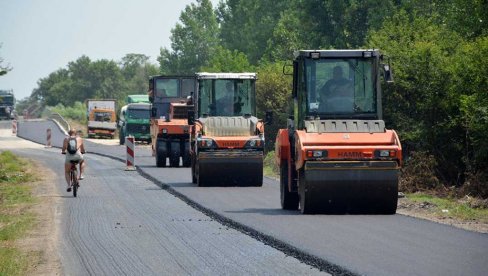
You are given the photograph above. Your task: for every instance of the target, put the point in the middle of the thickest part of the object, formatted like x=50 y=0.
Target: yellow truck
x=101 y=118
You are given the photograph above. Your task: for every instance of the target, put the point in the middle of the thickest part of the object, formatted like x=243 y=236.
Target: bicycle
x=73 y=176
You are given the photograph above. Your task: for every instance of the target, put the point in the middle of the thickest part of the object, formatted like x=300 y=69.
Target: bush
x=418 y=173
x=476 y=185
x=76 y=112
x=270 y=166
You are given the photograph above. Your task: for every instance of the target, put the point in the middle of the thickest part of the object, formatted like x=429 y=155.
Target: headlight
x=385 y=153
x=206 y=143
x=317 y=153
x=165 y=131
x=255 y=143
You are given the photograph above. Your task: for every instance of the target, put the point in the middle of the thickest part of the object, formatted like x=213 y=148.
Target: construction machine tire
x=161 y=153
x=304 y=194
x=121 y=139
x=289 y=200
x=174 y=154
x=199 y=179
x=185 y=154
x=193 y=175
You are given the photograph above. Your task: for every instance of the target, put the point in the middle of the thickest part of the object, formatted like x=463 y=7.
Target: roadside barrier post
x=14 y=127
x=48 y=138
x=129 y=141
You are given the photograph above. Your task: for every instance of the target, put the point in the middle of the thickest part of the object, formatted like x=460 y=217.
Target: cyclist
x=74 y=149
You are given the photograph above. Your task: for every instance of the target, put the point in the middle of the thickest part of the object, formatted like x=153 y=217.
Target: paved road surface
x=123 y=224
x=363 y=244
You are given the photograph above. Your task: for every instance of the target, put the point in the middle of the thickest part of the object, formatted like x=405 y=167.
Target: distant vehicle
x=7 y=103
x=101 y=118
x=170 y=132
x=134 y=120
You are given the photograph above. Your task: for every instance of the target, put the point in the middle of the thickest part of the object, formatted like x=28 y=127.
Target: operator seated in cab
x=337 y=94
x=229 y=104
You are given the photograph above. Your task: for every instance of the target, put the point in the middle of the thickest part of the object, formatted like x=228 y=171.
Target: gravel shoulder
x=425 y=211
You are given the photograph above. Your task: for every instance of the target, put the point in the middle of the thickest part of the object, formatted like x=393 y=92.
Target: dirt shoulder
x=41 y=243
x=424 y=210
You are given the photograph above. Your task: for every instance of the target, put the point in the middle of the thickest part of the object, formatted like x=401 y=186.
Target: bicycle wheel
x=74 y=182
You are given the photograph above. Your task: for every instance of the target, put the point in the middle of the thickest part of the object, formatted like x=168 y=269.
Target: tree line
x=438 y=50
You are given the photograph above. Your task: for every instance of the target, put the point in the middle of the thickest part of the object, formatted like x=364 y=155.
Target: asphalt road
x=362 y=244
x=123 y=224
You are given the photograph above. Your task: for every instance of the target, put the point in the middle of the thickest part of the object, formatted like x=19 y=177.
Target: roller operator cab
x=170 y=132
x=227 y=138
x=336 y=156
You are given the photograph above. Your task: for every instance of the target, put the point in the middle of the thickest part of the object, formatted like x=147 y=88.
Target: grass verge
x=461 y=209
x=15 y=219
x=270 y=168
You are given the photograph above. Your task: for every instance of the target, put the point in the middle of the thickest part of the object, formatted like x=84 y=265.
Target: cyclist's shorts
x=74 y=157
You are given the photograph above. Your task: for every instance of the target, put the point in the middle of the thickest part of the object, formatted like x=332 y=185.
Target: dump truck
x=7 y=103
x=101 y=118
x=170 y=132
x=134 y=120
x=336 y=155
x=227 y=139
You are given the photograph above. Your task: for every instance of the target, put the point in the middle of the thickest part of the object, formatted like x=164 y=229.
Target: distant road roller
x=170 y=132
x=227 y=140
x=336 y=156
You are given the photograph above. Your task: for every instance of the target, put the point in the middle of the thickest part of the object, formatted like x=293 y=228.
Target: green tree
x=469 y=101
x=54 y=89
x=437 y=103
x=136 y=70
x=273 y=91
x=130 y=63
x=192 y=42
x=225 y=60
x=247 y=26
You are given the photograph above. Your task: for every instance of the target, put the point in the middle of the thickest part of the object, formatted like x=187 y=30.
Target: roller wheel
x=200 y=182
x=174 y=154
x=289 y=200
x=389 y=207
x=193 y=173
x=185 y=155
x=305 y=206
x=160 y=154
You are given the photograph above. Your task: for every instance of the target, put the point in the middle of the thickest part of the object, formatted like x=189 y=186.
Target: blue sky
x=42 y=36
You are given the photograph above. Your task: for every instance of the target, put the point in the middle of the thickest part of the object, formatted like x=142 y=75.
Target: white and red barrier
x=48 y=138
x=129 y=142
x=14 y=127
